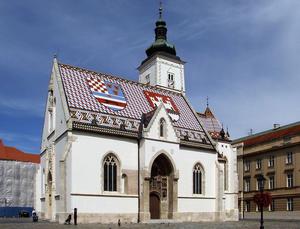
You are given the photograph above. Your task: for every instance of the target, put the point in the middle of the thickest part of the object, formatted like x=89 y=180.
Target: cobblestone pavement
x=245 y=224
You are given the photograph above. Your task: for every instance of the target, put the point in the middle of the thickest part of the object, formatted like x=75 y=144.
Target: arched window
x=162 y=127
x=110 y=172
x=198 y=175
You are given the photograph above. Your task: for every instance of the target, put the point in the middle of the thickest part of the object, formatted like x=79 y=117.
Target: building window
x=162 y=127
x=170 y=80
x=110 y=168
x=198 y=179
x=289 y=158
x=289 y=204
x=147 y=77
x=247 y=206
x=51 y=111
x=289 y=180
x=257 y=208
x=271 y=182
x=247 y=166
x=258 y=164
x=258 y=184
x=272 y=206
x=271 y=161
x=247 y=185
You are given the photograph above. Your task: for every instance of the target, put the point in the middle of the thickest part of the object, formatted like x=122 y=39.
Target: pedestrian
x=68 y=220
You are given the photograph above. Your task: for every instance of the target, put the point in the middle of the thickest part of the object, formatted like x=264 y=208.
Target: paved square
x=245 y=224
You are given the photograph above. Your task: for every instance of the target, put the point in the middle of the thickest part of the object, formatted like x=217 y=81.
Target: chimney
x=276 y=125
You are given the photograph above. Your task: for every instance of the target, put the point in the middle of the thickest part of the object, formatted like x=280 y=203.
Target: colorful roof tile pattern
x=212 y=124
x=80 y=86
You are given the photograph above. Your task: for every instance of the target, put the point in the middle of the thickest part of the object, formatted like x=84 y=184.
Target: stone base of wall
x=279 y=215
x=86 y=218
x=232 y=215
x=195 y=217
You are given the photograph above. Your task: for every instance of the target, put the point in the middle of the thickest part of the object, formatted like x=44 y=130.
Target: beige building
x=275 y=154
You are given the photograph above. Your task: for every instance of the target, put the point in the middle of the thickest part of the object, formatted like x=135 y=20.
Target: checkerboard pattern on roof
x=97 y=85
x=80 y=96
x=211 y=124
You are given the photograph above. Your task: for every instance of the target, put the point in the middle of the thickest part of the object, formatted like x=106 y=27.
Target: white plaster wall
x=61 y=110
x=59 y=149
x=196 y=205
x=231 y=194
x=88 y=152
x=158 y=70
x=227 y=150
x=151 y=70
x=40 y=176
x=187 y=158
x=103 y=204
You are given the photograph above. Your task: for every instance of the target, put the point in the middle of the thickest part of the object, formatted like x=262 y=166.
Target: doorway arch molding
x=171 y=160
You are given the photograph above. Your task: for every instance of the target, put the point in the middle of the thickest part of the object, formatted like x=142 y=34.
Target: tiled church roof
x=13 y=154
x=212 y=124
x=85 y=108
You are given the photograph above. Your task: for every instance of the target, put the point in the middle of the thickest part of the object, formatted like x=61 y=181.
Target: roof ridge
x=120 y=78
x=262 y=133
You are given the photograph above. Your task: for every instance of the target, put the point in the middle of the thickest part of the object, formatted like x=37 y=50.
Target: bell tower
x=162 y=67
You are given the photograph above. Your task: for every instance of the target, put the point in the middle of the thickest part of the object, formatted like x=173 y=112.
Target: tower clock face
x=171 y=83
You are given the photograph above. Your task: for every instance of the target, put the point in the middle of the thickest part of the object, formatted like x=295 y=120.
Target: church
x=117 y=149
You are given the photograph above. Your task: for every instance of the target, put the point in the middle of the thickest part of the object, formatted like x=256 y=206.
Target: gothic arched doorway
x=161 y=188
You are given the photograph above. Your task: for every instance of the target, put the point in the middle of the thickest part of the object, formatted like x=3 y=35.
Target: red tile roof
x=13 y=154
x=273 y=134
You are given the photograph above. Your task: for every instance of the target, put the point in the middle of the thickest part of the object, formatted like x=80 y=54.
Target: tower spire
x=161 y=44
x=207 y=103
x=160 y=10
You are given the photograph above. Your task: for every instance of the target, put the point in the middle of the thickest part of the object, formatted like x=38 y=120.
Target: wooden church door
x=154 y=206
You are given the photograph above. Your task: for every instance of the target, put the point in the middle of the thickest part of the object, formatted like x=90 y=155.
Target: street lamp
x=261 y=181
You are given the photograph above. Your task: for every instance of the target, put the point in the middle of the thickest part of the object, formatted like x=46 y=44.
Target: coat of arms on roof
x=107 y=93
x=155 y=99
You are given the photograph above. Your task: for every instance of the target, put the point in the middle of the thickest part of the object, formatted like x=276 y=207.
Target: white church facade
x=135 y=151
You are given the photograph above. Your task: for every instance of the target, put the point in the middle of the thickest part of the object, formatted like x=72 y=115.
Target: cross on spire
x=207 y=102
x=160 y=9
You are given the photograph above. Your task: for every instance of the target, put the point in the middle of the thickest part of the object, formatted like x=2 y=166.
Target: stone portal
x=161 y=199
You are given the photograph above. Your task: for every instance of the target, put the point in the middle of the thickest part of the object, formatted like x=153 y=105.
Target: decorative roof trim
x=105 y=130
x=196 y=145
x=213 y=143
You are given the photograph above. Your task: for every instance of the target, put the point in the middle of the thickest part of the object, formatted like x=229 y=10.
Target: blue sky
x=243 y=55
